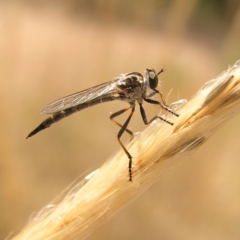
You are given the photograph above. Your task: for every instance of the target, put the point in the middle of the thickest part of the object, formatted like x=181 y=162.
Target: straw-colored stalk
x=158 y=147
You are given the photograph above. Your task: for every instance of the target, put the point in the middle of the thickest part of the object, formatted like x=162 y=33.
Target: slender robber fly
x=129 y=87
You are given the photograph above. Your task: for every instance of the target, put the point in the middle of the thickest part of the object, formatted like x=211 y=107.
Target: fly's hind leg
x=120 y=133
x=118 y=113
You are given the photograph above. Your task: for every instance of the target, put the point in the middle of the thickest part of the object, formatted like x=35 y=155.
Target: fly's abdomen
x=45 y=124
x=69 y=111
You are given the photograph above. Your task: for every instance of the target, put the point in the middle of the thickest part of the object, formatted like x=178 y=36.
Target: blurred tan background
x=49 y=49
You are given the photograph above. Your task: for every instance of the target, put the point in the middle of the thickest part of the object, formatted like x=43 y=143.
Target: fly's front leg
x=151 y=94
x=144 y=117
x=120 y=133
x=165 y=106
x=116 y=114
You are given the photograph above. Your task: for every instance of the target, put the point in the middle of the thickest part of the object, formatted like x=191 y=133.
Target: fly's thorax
x=132 y=80
x=132 y=85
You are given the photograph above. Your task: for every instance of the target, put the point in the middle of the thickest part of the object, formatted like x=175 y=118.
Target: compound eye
x=152 y=78
x=152 y=75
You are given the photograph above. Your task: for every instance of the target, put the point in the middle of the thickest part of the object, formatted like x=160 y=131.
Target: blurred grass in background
x=49 y=49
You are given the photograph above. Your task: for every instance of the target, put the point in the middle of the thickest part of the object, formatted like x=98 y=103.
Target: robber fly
x=129 y=87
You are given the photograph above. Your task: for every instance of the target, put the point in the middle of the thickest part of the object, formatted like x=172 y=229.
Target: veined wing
x=81 y=97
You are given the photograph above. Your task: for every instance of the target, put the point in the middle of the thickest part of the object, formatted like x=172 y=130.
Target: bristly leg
x=144 y=117
x=162 y=104
x=118 y=113
x=120 y=133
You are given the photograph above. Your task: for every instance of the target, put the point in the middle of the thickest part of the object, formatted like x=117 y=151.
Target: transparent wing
x=81 y=97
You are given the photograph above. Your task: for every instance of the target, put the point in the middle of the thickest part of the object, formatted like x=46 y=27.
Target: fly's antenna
x=162 y=70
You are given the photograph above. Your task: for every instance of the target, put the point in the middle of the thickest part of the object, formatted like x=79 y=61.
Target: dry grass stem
x=160 y=146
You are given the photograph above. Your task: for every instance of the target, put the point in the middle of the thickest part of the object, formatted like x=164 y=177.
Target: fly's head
x=152 y=77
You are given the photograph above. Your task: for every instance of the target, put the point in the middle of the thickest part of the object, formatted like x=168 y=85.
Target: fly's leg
x=116 y=114
x=162 y=104
x=165 y=106
x=144 y=117
x=151 y=94
x=120 y=133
